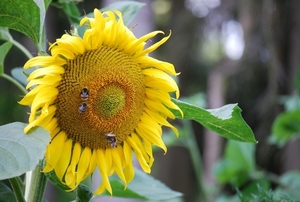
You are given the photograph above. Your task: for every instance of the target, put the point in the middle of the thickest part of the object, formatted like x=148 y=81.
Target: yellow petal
x=40 y=120
x=102 y=163
x=163 y=97
x=128 y=169
x=62 y=164
x=83 y=164
x=162 y=75
x=27 y=100
x=47 y=96
x=139 y=155
x=68 y=43
x=154 y=46
x=117 y=164
x=146 y=62
x=92 y=164
x=161 y=120
x=158 y=107
x=148 y=149
x=139 y=43
x=54 y=151
x=70 y=177
x=52 y=70
x=146 y=132
x=159 y=84
x=44 y=61
x=47 y=80
x=140 y=145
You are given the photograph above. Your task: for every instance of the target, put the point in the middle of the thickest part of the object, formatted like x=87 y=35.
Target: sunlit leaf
x=23 y=16
x=227 y=121
x=19 y=152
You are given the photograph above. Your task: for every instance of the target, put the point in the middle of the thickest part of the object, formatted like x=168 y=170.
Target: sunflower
x=102 y=97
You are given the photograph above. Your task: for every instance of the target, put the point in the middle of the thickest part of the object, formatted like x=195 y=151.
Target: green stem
x=17 y=189
x=37 y=185
x=42 y=44
x=22 y=48
x=15 y=82
x=196 y=158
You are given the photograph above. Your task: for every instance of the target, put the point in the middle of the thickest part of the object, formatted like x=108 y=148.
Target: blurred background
x=228 y=51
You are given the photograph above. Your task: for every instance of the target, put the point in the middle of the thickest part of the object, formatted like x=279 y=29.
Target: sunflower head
x=102 y=97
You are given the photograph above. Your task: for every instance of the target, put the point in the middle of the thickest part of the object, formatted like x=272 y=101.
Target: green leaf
x=4 y=48
x=71 y=10
x=56 y=182
x=6 y=194
x=83 y=193
x=227 y=121
x=237 y=164
x=47 y=4
x=23 y=16
x=255 y=187
x=143 y=186
x=286 y=127
x=128 y=9
x=19 y=152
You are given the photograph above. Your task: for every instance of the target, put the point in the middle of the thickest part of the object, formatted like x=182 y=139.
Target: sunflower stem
x=15 y=82
x=21 y=48
x=196 y=158
x=37 y=185
x=18 y=191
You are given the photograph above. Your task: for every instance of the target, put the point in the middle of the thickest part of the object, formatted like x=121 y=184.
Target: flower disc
x=115 y=100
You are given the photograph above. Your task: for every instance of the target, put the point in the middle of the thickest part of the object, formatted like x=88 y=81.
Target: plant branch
x=22 y=48
x=37 y=185
x=17 y=189
x=15 y=82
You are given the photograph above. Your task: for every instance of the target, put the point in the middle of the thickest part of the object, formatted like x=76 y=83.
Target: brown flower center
x=101 y=98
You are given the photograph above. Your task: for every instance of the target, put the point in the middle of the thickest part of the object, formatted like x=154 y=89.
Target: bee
x=82 y=108
x=84 y=94
x=112 y=139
